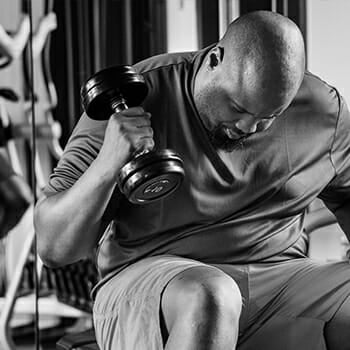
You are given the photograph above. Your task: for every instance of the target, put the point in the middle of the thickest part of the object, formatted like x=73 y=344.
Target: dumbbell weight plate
x=146 y=177
x=146 y=159
x=153 y=181
x=137 y=169
x=103 y=86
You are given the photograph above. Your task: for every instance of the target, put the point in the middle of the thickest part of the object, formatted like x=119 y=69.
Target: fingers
x=128 y=133
x=133 y=111
x=144 y=143
x=135 y=121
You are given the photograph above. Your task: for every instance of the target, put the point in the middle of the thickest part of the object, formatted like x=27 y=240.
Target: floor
x=24 y=337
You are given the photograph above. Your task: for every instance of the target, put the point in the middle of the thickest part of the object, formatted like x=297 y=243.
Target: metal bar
x=69 y=64
x=96 y=33
x=274 y=5
x=223 y=16
x=128 y=31
x=228 y=11
x=234 y=9
x=85 y=8
x=285 y=8
x=103 y=32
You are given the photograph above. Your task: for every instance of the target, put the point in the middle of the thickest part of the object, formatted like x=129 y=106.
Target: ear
x=215 y=56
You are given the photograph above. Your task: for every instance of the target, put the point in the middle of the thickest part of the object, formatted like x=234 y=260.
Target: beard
x=220 y=140
x=206 y=106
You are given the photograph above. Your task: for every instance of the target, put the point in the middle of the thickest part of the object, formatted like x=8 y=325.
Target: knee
x=203 y=294
x=217 y=293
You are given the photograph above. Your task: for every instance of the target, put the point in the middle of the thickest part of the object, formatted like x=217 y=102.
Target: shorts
x=285 y=304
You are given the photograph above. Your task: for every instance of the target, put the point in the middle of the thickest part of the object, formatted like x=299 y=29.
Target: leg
x=299 y=304
x=201 y=308
x=337 y=329
x=127 y=307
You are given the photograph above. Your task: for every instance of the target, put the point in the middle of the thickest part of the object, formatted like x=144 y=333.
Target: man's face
x=228 y=136
x=232 y=111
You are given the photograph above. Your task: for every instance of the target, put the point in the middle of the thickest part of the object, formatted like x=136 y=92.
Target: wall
x=181 y=25
x=328 y=28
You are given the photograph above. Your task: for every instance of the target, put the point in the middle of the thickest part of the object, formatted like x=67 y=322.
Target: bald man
x=222 y=263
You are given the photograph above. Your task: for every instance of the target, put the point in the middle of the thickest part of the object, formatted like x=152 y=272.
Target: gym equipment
x=71 y=284
x=78 y=341
x=151 y=174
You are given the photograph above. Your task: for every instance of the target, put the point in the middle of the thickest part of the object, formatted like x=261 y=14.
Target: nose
x=247 y=124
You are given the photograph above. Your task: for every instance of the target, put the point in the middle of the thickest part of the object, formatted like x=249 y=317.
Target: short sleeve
x=81 y=149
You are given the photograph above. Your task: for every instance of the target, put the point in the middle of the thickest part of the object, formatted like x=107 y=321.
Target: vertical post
x=223 y=16
x=128 y=32
x=97 y=41
x=69 y=61
x=228 y=11
x=274 y=5
x=285 y=8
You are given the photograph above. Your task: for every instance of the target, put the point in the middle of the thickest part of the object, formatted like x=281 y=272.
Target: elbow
x=57 y=241
x=49 y=255
x=54 y=257
x=53 y=246
x=54 y=254
x=49 y=252
x=48 y=246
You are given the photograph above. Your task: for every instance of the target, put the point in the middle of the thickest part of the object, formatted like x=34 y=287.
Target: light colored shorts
x=285 y=304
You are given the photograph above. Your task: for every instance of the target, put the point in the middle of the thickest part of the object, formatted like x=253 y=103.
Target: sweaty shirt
x=243 y=206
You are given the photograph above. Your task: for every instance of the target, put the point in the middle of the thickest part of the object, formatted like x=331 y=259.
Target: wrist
x=107 y=169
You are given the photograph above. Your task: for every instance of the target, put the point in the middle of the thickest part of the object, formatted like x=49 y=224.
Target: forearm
x=68 y=224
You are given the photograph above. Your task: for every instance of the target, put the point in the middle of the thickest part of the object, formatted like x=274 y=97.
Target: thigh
x=290 y=303
x=127 y=307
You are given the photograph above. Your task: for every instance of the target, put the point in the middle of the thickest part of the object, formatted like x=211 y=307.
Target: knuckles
x=132 y=127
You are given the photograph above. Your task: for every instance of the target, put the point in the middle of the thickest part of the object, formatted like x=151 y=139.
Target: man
x=222 y=262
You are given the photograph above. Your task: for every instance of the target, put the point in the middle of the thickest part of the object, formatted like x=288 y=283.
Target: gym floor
x=24 y=337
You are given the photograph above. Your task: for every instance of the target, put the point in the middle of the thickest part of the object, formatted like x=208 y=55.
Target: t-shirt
x=244 y=206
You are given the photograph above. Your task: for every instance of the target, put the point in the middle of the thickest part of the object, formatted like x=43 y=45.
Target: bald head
x=266 y=50
x=250 y=77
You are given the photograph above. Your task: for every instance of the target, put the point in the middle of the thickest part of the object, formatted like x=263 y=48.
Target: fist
x=127 y=133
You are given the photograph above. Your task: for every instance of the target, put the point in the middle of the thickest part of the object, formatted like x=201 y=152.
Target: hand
x=127 y=132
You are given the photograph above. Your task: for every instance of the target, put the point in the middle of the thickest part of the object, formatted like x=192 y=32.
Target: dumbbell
x=151 y=174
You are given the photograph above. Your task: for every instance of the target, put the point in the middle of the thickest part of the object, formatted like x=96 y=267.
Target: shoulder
x=164 y=62
x=321 y=97
x=166 y=74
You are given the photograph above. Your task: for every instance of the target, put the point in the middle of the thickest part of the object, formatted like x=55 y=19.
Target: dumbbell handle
x=118 y=104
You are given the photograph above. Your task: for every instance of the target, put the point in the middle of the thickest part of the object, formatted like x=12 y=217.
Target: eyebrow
x=243 y=110
x=240 y=108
